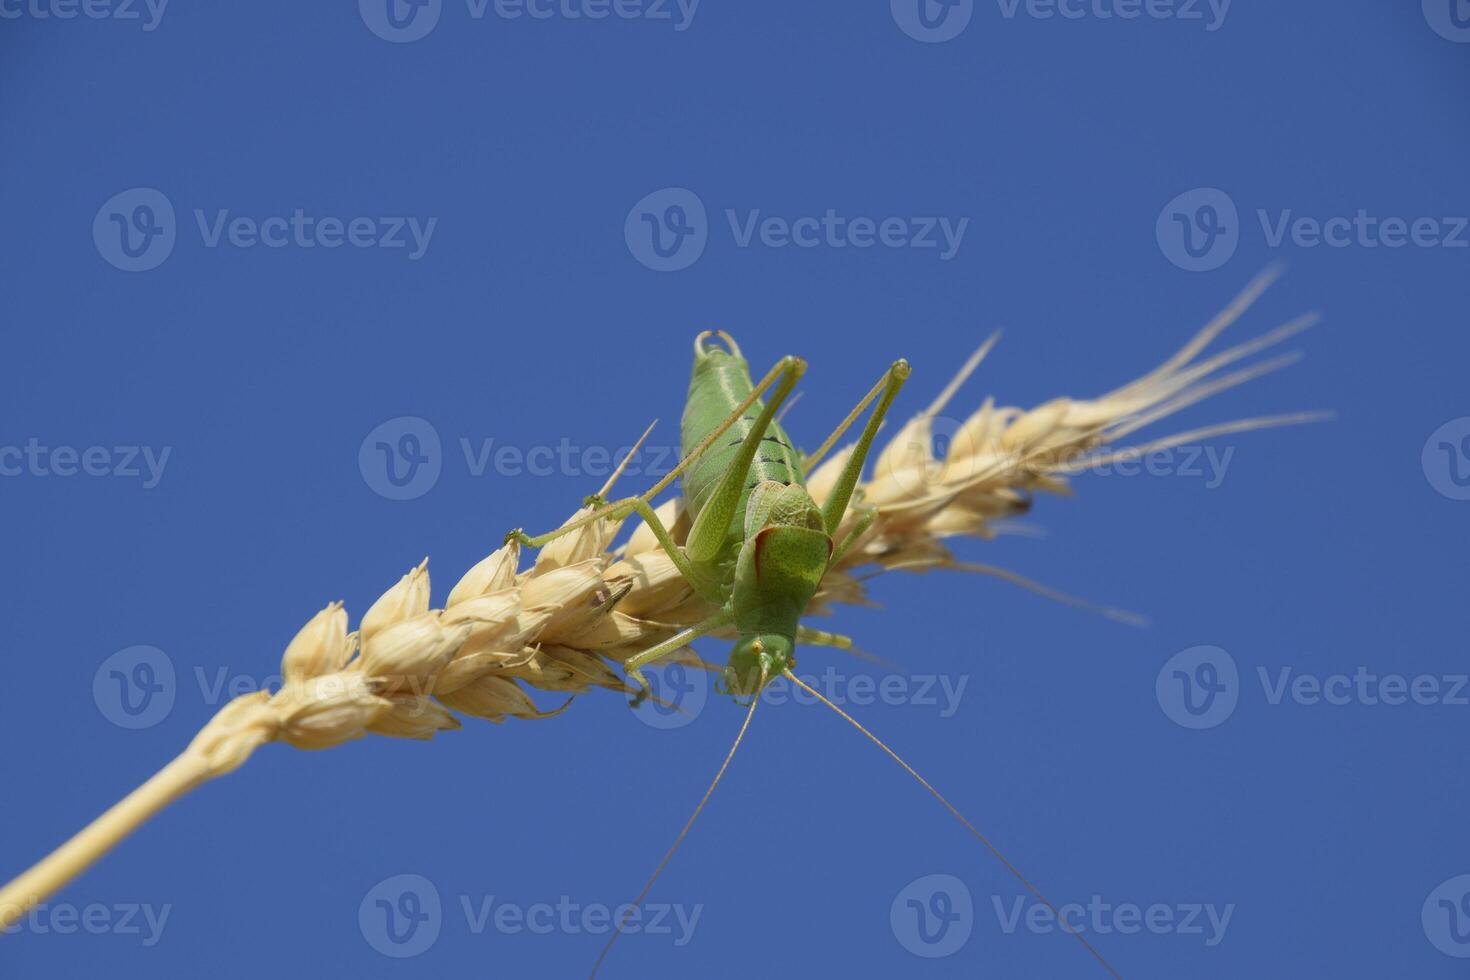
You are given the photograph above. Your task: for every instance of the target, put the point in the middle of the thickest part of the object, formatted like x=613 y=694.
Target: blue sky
x=245 y=246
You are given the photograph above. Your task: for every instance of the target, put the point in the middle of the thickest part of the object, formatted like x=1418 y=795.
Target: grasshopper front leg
x=702 y=583
x=634 y=664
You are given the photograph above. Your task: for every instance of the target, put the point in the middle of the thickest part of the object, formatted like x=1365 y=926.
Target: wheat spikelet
x=558 y=627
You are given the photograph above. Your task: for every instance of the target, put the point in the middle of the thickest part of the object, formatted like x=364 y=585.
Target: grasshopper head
x=773 y=651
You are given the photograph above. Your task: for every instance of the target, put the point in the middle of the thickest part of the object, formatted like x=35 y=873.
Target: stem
x=221 y=746
x=101 y=835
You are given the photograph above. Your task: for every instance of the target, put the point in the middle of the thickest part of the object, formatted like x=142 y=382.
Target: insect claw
x=644 y=691
x=594 y=500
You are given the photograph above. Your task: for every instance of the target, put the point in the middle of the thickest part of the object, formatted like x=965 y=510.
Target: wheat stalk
x=562 y=624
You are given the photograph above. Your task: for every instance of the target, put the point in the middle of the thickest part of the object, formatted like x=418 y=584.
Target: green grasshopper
x=759 y=544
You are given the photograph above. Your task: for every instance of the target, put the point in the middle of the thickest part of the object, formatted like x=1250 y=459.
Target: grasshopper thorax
x=779 y=569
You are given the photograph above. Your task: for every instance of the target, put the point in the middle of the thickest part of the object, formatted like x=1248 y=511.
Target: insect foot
x=636 y=676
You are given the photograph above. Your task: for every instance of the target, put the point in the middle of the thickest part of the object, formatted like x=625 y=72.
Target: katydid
x=759 y=544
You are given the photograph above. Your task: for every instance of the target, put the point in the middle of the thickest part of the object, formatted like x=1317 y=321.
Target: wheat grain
x=559 y=625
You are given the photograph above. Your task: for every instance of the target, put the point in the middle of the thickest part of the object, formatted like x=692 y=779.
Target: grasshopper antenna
x=790 y=404
x=1047 y=592
x=600 y=497
x=958 y=816
x=689 y=825
x=1030 y=585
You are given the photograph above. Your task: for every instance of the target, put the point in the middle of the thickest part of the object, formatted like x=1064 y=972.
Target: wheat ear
x=561 y=625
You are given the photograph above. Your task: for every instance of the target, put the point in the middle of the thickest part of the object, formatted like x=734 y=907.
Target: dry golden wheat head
x=561 y=625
